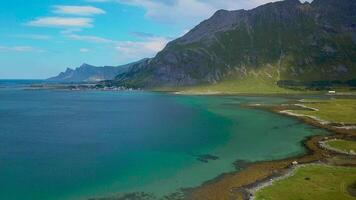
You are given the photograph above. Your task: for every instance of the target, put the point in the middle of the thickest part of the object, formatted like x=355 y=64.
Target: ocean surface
x=64 y=145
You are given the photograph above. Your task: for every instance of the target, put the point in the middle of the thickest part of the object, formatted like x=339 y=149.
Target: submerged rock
x=206 y=158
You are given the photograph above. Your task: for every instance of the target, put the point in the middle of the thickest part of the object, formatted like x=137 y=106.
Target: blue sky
x=40 y=38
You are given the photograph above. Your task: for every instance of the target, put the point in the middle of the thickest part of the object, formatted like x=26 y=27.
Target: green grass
x=335 y=110
x=343 y=145
x=263 y=81
x=310 y=183
x=231 y=87
x=240 y=86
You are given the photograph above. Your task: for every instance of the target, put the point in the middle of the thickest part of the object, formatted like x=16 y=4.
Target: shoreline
x=239 y=184
x=257 y=173
x=323 y=144
x=291 y=93
x=262 y=184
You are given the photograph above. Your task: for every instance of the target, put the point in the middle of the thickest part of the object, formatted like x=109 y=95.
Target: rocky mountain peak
x=222 y=20
x=85 y=65
x=293 y=40
x=68 y=70
x=292 y=2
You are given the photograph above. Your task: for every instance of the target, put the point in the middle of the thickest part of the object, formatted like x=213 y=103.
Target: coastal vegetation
x=332 y=110
x=342 y=145
x=328 y=180
x=253 y=84
x=325 y=181
x=320 y=182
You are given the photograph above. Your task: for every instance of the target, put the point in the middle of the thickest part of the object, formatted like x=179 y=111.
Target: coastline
x=241 y=184
x=260 y=185
x=324 y=144
x=254 y=174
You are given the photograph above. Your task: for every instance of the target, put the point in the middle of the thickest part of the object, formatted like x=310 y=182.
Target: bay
x=78 y=145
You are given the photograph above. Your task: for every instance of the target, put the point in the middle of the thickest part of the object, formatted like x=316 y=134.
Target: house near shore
x=332 y=92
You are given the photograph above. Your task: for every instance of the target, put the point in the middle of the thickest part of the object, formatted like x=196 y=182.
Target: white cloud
x=22 y=48
x=128 y=50
x=33 y=36
x=77 y=10
x=73 y=22
x=84 y=50
x=98 y=1
x=70 y=30
x=177 y=11
x=19 y=49
x=133 y=50
x=90 y=38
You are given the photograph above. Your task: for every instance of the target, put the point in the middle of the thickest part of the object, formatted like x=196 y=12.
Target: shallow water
x=76 y=145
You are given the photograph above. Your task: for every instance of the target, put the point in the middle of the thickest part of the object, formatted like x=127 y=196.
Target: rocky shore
x=242 y=184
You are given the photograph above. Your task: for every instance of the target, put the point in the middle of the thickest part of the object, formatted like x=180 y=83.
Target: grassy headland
x=333 y=110
x=342 y=145
x=312 y=182
x=322 y=179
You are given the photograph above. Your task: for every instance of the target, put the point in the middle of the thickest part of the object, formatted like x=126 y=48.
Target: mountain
x=89 y=73
x=283 y=43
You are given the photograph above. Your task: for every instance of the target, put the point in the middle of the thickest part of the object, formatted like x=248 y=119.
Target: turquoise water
x=77 y=145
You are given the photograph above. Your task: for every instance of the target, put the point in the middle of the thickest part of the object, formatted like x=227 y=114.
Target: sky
x=40 y=38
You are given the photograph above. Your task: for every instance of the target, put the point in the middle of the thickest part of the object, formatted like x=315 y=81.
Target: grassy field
x=343 y=145
x=241 y=86
x=253 y=84
x=334 y=110
x=258 y=81
x=312 y=182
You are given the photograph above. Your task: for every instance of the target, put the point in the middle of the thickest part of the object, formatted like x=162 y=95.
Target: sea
x=74 y=145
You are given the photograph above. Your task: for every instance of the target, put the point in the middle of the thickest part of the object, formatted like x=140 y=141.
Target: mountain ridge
x=90 y=73
x=280 y=41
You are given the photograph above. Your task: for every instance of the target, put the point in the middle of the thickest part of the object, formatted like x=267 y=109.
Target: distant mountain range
x=284 y=43
x=281 y=43
x=89 y=73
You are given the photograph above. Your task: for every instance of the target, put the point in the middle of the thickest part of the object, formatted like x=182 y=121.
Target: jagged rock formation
x=89 y=73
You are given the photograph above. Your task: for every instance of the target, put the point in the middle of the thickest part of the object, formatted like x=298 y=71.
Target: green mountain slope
x=278 y=44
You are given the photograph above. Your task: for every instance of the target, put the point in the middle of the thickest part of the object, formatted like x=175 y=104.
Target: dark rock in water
x=175 y=196
x=241 y=164
x=130 y=196
x=206 y=158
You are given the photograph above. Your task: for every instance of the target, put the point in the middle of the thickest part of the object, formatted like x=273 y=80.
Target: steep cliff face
x=281 y=41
